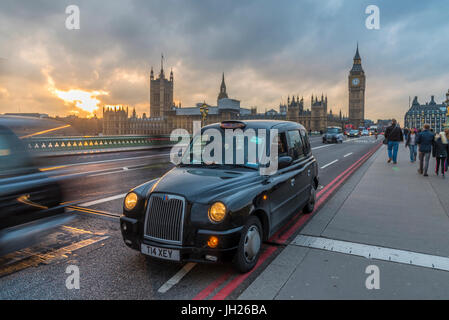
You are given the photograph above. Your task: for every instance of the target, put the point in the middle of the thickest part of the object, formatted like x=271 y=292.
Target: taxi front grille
x=165 y=218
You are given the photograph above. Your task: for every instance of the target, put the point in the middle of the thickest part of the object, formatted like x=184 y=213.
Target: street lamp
x=446 y=125
x=204 y=109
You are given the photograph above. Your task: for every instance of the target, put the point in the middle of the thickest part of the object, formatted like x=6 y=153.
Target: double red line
x=283 y=234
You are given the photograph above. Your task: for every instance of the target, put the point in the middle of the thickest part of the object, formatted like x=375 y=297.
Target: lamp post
x=446 y=125
x=204 y=111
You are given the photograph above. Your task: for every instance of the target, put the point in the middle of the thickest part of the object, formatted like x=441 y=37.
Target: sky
x=268 y=50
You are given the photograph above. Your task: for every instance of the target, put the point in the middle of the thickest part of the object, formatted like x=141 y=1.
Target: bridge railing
x=96 y=143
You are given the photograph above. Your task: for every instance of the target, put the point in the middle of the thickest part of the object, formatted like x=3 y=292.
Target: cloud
x=267 y=49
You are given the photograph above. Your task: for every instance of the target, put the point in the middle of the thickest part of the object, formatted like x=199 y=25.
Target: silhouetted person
x=441 y=150
x=393 y=134
x=425 y=141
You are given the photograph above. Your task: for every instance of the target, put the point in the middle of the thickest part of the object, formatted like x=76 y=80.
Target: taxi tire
x=240 y=263
x=310 y=206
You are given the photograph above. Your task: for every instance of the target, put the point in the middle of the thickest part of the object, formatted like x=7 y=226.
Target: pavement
x=383 y=235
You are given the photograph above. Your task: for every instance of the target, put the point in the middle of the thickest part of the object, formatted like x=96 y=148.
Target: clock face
x=355 y=81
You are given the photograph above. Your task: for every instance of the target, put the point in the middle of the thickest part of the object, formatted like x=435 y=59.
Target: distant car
x=333 y=135
x=365 y=133
x=29 y=199
x=215 y=212
x=354 y=134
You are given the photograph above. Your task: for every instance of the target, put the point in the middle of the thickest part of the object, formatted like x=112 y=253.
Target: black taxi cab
x=210 y=211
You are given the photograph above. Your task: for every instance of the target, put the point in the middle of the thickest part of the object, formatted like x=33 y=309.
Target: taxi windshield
x=240 y=150
x=332 y=130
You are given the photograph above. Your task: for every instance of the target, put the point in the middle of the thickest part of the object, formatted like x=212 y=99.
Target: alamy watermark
x=72 y=22
x=73 y=280
x=373 y=280
x=372 y=22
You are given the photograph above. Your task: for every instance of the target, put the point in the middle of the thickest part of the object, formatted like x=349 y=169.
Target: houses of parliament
x=165 y=115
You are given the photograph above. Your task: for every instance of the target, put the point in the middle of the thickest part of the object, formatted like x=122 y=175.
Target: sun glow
x=82 y=99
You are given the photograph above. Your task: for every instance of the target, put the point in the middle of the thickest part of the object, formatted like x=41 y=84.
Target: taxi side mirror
x=284 y=162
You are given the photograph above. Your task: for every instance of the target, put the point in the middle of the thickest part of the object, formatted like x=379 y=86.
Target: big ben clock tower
x=356 y=85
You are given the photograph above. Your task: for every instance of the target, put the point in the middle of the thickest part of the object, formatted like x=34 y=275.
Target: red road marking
x=233 y=284
x=281 y=230
x=218 y=282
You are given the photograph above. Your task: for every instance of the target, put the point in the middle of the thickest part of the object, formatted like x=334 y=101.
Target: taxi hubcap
x=252 y=243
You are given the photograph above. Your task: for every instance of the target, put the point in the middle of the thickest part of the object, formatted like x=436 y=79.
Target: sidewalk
x=385 y=215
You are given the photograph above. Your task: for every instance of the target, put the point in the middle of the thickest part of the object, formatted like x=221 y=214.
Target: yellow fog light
x=213 y=242
x=130 y=201
x=217 y=212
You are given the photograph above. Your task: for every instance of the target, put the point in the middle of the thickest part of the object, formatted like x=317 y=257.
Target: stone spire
x=357 y=66
x=222 y=93
x=162 y=75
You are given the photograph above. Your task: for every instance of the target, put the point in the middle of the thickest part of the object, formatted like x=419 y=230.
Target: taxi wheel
x=311 y=203
x=248 y=251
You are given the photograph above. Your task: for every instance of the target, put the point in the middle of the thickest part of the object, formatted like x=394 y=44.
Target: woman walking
x=441 y=150
x=411 y=144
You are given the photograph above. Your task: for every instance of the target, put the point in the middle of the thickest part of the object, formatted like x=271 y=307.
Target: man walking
x=424 y=141
x=393 y=134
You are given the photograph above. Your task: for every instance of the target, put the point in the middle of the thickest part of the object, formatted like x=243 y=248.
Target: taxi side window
x=282 y=145
x=295 y=144
x=305 y=139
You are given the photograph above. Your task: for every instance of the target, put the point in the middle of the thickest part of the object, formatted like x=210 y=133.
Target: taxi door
x=282 y=191
x=301 y=169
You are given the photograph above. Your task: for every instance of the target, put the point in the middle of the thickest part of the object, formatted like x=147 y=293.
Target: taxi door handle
x=292 y=182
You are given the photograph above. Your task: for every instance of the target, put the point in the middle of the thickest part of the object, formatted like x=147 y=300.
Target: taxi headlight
x=217 y=212
x=130 y=201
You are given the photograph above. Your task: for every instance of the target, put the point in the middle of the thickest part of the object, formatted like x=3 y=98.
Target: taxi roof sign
x=232 y=125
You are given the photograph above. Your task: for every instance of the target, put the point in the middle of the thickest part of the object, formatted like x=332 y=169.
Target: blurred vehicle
x=354 y=134
x=365 y=133
x=30 y=201
x=333 y=135
x=373 y=130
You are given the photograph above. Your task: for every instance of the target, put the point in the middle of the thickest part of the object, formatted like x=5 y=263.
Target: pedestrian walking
x=406 y=133
x=441 y=151
x=411 y=144
x=425 y=142
x=393 y=136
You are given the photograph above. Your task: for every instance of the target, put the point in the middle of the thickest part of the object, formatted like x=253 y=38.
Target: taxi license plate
x=161 y=253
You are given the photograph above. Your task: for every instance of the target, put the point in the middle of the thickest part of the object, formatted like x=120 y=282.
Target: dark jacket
x=425 y=141
x=440 y=146
x=394 y=133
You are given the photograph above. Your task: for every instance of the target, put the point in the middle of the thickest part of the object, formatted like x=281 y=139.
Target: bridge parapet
x=96 y=143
